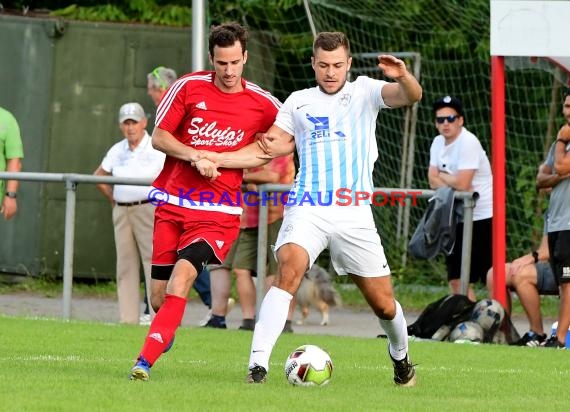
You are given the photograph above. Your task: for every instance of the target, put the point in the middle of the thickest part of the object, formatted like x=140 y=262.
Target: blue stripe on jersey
x=356 y=155
x=314 y=175
x=329 y=169
x=365 y=173
x=300 y=179
x=342 y=157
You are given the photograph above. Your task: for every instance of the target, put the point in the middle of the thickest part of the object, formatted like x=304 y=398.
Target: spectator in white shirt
x=133 y=214
x=457 y=160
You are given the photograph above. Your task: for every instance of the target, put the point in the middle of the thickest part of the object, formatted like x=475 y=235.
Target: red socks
x=163 y=327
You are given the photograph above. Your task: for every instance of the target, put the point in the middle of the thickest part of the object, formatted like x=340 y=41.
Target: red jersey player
x=198 y=218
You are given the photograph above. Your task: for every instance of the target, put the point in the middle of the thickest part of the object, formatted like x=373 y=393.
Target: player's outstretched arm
x=170 y=145
x=243 y=158
x=274 y=143
x=406 y=90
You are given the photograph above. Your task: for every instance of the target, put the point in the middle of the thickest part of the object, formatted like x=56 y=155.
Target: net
x=448 y=44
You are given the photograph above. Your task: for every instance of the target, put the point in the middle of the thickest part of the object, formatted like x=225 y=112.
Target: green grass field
x=52 y=365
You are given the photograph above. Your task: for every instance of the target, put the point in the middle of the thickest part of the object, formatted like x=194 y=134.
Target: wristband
x=535 y=256
x=12 y=195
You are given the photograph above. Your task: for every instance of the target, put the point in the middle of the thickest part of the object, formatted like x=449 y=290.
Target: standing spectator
x=559 y=226
x=242 y=257
x=11 y=155
x=158 y=82
x=333 y=128
x=531 y=275
x=133 y=214
x=199 y=218
x=457 y=160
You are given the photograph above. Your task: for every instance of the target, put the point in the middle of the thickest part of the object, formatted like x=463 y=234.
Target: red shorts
x=176 y=227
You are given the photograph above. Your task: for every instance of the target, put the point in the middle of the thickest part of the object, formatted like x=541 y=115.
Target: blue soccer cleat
x=141 y=370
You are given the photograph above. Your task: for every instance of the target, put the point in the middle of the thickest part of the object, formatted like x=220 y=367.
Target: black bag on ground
x=449 y=311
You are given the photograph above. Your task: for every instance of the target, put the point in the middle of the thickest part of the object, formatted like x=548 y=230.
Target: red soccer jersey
x=200 y=115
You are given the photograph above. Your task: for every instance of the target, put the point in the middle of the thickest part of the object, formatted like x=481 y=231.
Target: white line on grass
x=274 y=365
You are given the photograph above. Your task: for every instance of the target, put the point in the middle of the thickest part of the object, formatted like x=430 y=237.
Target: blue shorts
x=545 y=280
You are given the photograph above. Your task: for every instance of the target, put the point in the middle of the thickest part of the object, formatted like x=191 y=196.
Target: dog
x=317 y=290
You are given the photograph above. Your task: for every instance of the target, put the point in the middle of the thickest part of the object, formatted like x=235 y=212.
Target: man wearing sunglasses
x=458 y=160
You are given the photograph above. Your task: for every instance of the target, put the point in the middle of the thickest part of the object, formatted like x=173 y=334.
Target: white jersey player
x=332 y=127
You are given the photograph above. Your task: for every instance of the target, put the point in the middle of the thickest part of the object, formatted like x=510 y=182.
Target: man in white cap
x=133 y=214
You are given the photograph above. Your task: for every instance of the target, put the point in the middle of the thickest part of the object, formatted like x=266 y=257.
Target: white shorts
x=348 y=231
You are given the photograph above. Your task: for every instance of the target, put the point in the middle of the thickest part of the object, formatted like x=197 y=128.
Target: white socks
x=397 y=332
x=272 y=317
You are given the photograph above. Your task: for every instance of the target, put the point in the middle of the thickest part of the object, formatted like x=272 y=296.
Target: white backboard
x=530 y=28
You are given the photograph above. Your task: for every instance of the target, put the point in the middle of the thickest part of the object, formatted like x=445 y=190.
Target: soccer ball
x=308 y=365
x=468 y=331
x=488 y=313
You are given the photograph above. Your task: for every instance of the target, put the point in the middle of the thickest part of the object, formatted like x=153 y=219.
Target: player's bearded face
x=331 y=68
x=228 y=63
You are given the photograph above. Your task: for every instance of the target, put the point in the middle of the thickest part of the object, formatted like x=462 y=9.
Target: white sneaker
x=145 y=319
x=205 y=319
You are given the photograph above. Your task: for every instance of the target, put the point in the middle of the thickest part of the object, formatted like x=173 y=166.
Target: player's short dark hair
x=225 y=35
x=565 y=94
x=329 y=41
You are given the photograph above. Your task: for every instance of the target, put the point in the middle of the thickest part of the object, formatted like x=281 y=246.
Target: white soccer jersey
x=335 y=137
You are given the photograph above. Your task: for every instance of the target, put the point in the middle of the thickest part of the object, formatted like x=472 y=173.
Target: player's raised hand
x=207 y=169
x=392 y=66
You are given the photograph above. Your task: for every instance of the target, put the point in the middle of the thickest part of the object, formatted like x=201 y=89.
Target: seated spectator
x=529 y=276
